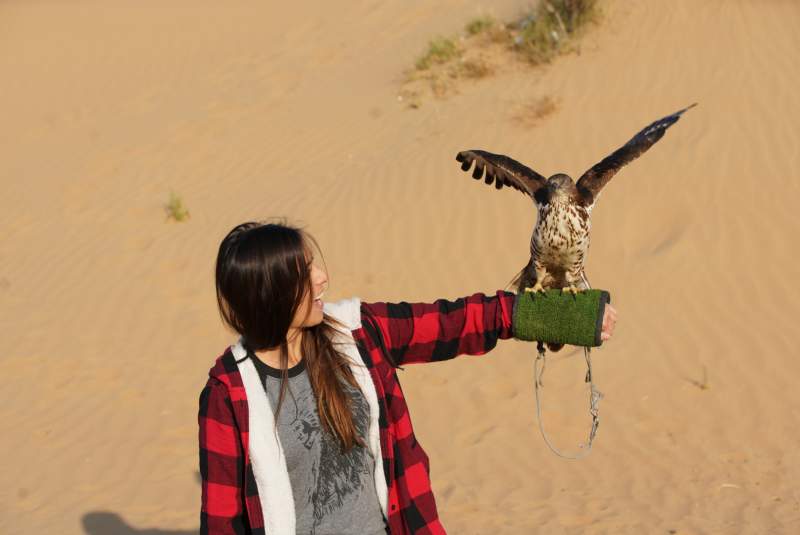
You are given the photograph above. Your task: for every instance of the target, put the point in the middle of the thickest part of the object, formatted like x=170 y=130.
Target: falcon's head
x=561 y=187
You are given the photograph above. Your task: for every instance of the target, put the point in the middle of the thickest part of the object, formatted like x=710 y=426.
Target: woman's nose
x=319 y=276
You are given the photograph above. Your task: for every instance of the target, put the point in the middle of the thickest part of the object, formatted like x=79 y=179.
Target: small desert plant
x=545 y=32
x=576 y=13
x=479 y=24
x=439 y=50
x=532 y=113
x=475 y=68
x=175 y=208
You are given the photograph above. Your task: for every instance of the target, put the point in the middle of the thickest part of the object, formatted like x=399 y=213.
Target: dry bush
x=550 y=28
x=532 y=113
x=475 y=68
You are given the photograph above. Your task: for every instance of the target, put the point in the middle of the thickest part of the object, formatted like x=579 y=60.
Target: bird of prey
x=561 y=236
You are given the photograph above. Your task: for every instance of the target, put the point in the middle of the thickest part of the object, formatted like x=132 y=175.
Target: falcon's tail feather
x=524 y=279
x=513 y=284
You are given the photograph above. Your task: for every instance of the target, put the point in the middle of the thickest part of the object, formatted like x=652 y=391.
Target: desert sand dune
x=256 y=110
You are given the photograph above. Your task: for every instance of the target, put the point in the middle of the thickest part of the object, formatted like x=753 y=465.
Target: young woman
x=303 y=424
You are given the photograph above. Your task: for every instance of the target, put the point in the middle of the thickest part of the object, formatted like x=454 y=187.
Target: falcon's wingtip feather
x=465 y=159
x=684 y=110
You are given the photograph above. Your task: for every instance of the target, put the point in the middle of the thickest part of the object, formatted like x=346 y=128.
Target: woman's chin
x=315 y=318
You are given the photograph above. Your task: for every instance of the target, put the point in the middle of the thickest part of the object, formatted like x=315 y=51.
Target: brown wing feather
x=501 y=170
x=593 y=180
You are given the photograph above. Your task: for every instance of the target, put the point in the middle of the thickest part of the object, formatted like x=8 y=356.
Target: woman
x=303 y=424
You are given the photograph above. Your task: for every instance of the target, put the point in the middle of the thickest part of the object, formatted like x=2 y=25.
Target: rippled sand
x=108 y=316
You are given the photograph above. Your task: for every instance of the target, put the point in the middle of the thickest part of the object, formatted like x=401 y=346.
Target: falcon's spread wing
x=593 y=180
x=501 y=170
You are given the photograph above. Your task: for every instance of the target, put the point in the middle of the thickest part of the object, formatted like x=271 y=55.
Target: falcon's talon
x=536 y=288
x=571 y=289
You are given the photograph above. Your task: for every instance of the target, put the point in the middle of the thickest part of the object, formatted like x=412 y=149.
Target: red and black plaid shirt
x=391 y=334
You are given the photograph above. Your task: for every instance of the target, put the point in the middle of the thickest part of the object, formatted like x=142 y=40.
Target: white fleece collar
x=266 y=453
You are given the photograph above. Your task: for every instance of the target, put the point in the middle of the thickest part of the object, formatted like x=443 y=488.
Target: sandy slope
x=107 y=312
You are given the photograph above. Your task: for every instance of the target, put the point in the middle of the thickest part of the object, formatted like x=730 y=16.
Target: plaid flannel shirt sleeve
x=430 y=332
x=221 y=464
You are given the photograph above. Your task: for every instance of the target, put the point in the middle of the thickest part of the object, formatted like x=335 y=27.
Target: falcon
x=560 y=238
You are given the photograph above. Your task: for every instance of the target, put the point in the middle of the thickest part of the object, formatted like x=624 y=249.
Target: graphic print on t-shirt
x=305 y=425
x=333 y=491
x=340 y=475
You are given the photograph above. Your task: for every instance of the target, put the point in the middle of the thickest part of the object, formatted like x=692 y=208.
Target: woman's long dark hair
x=262 y=277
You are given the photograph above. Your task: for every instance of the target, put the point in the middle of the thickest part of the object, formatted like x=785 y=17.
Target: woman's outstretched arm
x=430 y=332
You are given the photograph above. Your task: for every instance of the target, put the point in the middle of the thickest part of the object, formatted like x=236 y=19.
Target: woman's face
x=309 y=313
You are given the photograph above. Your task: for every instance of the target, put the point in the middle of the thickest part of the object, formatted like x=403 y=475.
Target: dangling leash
x=594 y=398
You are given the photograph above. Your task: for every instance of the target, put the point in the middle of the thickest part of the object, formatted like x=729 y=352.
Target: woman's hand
x=609 y=321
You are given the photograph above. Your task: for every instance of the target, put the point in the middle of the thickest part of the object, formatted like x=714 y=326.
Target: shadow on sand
x=101 y=523
x=104 y=523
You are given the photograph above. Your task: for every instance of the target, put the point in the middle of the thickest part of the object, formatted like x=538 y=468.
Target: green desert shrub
x=175 y=208
x=546 y=31
x=479 y=24
x=440 y=50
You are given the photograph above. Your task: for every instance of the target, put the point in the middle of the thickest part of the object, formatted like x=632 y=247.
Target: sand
x=254 y=110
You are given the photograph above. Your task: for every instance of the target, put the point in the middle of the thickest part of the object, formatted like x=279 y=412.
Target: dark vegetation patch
x=486 y=45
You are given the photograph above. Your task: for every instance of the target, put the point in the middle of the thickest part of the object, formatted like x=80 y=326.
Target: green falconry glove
x=560 y=317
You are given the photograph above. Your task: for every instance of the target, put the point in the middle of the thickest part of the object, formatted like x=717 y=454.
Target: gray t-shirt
x=334 y=493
